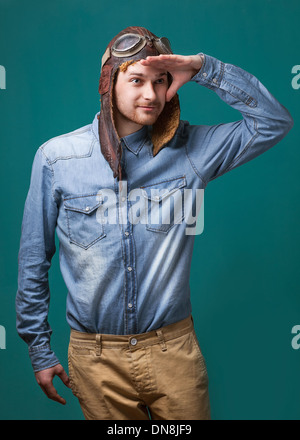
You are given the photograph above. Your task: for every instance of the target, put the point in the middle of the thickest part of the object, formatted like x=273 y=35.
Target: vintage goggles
x=130 y=44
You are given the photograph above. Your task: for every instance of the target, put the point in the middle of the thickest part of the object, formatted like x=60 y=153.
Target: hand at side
x=45 y=380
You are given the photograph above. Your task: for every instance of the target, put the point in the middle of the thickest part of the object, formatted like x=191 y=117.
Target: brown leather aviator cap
x=131 y=44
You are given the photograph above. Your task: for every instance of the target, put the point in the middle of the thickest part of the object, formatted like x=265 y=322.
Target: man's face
x=140 y=96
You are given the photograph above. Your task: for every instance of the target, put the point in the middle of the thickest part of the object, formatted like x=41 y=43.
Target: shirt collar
x=133 y=142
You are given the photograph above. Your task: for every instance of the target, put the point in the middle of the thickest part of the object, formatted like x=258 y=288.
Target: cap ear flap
x=108 y=136
x=104 y=81
x=166 y=125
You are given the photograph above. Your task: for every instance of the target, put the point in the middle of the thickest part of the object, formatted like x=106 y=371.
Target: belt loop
x=98 y=344
x=161 y=339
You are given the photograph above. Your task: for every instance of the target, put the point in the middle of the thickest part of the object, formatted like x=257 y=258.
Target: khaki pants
x=161 y=372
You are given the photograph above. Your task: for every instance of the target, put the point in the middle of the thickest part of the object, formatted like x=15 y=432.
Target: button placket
x=130 y=317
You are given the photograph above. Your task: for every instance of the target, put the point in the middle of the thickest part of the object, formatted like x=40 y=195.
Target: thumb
x=64 y=377
x=172 y=90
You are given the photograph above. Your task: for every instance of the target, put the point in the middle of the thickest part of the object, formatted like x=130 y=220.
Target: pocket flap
x=85 y=204
x=159 y=190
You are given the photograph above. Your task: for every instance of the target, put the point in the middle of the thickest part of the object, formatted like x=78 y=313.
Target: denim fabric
x=128 y=278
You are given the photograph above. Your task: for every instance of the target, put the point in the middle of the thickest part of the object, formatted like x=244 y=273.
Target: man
x=133 y=349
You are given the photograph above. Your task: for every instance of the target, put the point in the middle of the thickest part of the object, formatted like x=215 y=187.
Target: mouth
x=148 y=108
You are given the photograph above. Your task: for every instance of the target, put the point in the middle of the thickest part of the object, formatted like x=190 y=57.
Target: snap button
x=205 y=74
x=123 y=199
x=126 y=233
x=133 y=341
x=129 y=268
x=215 y=80
x=130 y=305
x=87 y=208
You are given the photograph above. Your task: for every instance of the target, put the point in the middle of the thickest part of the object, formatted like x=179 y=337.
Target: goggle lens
x=126 y=43
x=130 y=44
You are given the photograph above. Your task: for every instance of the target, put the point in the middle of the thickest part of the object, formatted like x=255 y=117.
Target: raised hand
x=181 y=67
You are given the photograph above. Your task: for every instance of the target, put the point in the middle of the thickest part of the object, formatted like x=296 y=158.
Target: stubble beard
x=141 y=118
x=136 y=116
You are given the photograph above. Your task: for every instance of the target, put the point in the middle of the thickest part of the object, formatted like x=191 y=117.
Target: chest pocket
x=164 y=204
x=85 y=224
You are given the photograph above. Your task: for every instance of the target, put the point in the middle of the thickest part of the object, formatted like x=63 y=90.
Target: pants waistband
x=160 y=335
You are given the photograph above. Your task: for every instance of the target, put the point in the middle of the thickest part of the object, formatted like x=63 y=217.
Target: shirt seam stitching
x=233 y=162
x=52 y=174
x=194 y=167
x=38 y=348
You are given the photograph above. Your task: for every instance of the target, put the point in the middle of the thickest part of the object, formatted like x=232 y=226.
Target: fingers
x=165 y=61
x=45 y=380
x=51 y=393
x=175 y=63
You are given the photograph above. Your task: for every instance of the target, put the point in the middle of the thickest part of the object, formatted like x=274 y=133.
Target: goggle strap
x=105 y=57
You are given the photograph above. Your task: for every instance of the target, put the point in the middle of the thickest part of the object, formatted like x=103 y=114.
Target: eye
x=160 y=81
x=135 y=80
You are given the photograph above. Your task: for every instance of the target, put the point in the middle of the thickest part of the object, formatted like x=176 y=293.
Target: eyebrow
x=158 y=75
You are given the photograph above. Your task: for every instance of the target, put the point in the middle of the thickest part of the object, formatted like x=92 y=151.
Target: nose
x=149 y=91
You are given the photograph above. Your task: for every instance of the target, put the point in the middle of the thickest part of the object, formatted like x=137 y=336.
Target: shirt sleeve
x=37 y=247
x=217 y=149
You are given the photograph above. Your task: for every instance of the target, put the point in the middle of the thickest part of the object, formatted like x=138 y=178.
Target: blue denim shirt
x=130 y=277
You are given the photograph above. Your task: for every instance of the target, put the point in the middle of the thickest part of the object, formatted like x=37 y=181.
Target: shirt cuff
x=42 y=357
x=211 y=73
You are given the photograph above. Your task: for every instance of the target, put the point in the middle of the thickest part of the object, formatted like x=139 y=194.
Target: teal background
x=245 y=271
